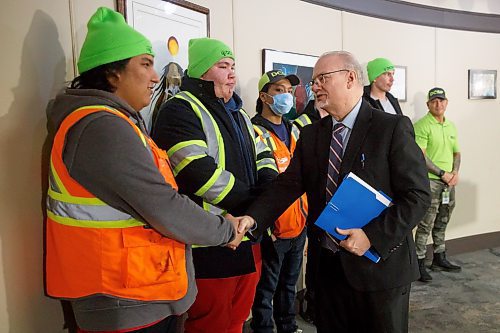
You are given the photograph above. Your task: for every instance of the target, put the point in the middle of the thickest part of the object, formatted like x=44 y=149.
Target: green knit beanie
x=378 y=66
x=203 y=53
x=109 y=39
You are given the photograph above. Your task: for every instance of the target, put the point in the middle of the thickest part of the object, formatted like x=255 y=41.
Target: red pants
x=223 y=305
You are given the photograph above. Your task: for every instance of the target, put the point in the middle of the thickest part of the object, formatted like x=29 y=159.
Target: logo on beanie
x=226 y=53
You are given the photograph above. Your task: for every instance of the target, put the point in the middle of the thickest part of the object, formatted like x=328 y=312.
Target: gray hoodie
x=105 y=155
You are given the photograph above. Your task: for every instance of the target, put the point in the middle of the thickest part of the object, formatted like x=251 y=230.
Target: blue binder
x=354 y=204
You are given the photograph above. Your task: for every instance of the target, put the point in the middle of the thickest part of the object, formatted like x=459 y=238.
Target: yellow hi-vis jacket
x=222 y=181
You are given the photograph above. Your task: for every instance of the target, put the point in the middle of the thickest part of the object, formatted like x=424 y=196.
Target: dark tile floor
x=464 y=302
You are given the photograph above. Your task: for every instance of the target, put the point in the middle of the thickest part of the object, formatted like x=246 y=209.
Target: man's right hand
x=454 y=180
x=241 y=225
x=447 y=177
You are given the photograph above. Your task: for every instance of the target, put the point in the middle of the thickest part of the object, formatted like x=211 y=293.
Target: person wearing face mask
x=381 y=76
x=218 y=162
x=283 y=247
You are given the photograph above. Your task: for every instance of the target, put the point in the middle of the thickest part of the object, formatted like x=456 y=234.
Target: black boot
x=424 y=275
x=306 y=308
x=440 y=263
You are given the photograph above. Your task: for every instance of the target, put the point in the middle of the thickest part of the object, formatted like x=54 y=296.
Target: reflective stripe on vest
x=183 y=153
x=268 y=145
x=78 y=210
x=303 y=120
x=291 y=223
x=93 y=248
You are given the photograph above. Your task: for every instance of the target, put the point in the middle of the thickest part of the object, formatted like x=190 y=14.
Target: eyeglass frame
x=320 y=78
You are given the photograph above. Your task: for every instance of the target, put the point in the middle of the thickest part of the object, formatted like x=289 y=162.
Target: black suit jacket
x=376 y=103
x=393 y=164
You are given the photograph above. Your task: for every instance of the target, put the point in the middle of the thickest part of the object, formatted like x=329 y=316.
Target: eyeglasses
x=321 y=78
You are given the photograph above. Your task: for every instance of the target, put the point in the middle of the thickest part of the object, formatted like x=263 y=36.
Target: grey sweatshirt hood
x=72 y=99
x=104 y=155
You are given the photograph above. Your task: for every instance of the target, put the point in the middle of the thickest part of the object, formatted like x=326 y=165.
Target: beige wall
x=479 y=6
x=38 y=38
x=312 y=30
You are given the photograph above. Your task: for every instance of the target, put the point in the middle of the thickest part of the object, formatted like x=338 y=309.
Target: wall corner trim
x=412 y=13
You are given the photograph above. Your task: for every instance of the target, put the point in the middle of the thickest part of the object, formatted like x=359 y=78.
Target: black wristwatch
x=441 y=173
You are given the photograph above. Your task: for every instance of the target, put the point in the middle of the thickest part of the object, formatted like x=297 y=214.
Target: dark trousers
x=167 y=325
x=340 y=308
x=313 y=250
x=275 y=295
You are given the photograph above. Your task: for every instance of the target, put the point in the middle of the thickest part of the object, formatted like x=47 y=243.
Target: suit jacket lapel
x=359 y=131
x=324 y=137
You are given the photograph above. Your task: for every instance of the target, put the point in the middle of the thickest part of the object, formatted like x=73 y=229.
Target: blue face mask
x=282 y=103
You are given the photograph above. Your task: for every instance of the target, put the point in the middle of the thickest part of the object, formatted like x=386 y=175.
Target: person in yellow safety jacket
x=220 y=164
x=283 y=249
x=118 y=234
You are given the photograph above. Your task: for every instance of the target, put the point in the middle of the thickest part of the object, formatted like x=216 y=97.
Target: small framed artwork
x=482 y=84
x=399 y=86
x=292 y=63
x=169 y=25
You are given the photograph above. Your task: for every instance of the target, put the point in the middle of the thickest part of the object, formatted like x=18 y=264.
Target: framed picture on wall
x=292 y=63
x=399 y=86
x=169 y=25
x=482 y=84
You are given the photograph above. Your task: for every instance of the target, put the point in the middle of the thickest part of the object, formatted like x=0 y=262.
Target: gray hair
x=349 y=62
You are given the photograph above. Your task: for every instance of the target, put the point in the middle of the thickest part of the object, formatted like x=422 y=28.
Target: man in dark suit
x=353 y=293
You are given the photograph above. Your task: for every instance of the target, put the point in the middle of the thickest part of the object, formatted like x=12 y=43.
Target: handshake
x=241 y=225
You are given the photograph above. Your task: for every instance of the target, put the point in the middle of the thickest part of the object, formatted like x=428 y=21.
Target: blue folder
x=354 y=204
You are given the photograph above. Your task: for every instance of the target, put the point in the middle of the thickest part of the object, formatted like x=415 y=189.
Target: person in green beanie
x=220 y=164
x=381 y=77
x=118 y=234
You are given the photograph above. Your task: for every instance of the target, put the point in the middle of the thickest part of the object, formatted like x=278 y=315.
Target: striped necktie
x=332 y=179
x=334 y=161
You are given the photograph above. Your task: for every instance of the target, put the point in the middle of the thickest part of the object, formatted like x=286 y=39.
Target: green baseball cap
x=275 y=76
x=378 y=66
x=203 y=53
x=109 y=39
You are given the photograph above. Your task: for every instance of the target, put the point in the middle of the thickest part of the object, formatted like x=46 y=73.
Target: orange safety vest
x=93 y=248
x=291 y=223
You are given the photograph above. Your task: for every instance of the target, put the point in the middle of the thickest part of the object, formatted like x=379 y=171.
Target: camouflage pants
x=436 y=219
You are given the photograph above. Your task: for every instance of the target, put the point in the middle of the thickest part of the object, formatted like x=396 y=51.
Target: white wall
x=276 y=24
x=36 y=60
x=477 y=122
x=404 y=44
x=37 y=57
x=479 y=6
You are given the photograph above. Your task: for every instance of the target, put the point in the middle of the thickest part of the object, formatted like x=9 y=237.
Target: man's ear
x=263 y=97
x=351 y=79
x=113 y=79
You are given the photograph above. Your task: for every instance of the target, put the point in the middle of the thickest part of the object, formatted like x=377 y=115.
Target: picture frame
x=169 y=25
x=292 y=63
x=398 y=89
x=482 y=84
